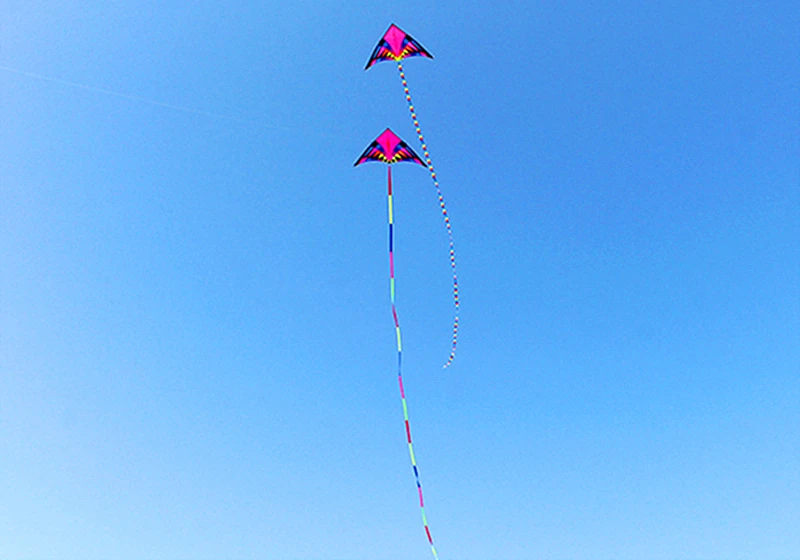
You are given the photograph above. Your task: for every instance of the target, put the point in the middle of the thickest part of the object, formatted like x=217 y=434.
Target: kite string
x=441 y=205
x=400 y=367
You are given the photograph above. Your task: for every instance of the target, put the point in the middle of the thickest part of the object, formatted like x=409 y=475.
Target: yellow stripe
x=391 y=213
x=391 y=284
x=424 y=519
x=405 y=410
x=399 y=344
x=411 y=452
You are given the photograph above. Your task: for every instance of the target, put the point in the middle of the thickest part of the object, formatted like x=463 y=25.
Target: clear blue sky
x=196 y=346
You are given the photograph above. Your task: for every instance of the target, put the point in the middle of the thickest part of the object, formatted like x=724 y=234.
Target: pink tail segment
x=429 y=163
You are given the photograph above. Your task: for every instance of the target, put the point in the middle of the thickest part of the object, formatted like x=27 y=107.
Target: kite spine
x=429 y=163
x=400 y=368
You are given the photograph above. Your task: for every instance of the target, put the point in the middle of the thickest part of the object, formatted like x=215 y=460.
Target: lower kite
x=388 y=148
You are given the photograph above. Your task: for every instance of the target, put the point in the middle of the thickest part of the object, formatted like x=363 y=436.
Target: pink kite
x=395 y=45
x=388 y=148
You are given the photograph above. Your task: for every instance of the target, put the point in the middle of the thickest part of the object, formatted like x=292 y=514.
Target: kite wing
x=389 y=148
x=396 y=45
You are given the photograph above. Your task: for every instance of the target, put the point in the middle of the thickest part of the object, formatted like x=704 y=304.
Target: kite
x=396 y=45
x=389 y=148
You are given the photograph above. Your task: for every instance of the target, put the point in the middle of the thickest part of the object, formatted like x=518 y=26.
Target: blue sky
x=196 y=346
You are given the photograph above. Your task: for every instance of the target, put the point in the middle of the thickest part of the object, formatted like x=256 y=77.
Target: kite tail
x=441 y=205
x=400 y=369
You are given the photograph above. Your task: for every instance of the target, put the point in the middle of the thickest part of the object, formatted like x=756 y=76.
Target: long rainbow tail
x=400 y=367
x=441 y=205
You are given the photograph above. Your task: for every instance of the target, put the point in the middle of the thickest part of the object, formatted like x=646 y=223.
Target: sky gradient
x=196 y=345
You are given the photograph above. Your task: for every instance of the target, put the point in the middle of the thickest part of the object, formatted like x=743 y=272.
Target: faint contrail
x=137 y=98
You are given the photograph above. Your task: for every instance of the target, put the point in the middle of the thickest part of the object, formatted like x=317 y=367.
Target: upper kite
x=396 y=45
x=388 y=148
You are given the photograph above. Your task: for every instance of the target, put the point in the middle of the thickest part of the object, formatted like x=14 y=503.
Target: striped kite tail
x=400 y=369
x=429 y=163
